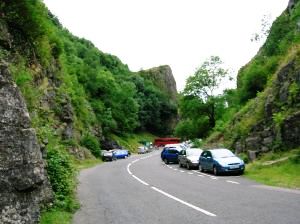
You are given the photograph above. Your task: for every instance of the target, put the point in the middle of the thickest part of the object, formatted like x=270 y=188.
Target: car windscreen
x=193 y=152
x=222 y=153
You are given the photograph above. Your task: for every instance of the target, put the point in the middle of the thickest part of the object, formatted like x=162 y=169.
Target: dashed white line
x=199 y=175
x=212 y=177
x=184 y=202
x=233 y=182
x=175 y=169
x=182 y=171
x=190 y=173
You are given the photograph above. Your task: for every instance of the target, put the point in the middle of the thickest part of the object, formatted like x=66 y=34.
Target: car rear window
x=172 y=151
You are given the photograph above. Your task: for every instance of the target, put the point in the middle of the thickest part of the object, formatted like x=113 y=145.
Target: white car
x=189 y=158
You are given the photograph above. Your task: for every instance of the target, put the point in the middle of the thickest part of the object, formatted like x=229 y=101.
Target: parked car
x=107 y=155
x=180 y=146
x=121 y=153
x=142 y=149
x=189 y=158
x=170 y=154
x=220 y=161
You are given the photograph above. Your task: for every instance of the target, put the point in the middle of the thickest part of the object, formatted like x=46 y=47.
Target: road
x=143 y=190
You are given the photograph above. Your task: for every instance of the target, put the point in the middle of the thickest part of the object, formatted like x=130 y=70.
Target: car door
x=172 y=155
x=202 y=160
x=181 y=157
x=209 y=161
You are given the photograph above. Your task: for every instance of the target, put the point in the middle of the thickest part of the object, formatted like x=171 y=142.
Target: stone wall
x=24 y=186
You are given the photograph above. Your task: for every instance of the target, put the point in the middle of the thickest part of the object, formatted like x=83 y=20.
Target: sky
x=179 y=33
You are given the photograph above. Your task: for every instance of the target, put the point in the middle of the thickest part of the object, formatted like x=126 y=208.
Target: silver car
x=189 y=158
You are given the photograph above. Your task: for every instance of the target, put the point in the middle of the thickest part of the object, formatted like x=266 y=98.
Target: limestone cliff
x=278 y=110
x=162 y=77
x=24 y=186
x=270 y=83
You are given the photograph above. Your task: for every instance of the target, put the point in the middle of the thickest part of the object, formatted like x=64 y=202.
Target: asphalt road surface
x=143 y=190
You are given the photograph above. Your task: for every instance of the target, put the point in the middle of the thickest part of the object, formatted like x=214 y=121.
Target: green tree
x=203 y=84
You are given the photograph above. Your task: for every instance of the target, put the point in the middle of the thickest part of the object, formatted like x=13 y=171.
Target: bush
x=61 y=173
x=91 y=142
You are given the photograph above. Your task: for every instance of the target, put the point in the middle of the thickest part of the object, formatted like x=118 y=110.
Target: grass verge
x=56 y=217
x=88 y=163
x=281 y=174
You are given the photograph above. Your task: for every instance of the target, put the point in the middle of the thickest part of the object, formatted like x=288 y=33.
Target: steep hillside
x=269 y=92
x=76 y=97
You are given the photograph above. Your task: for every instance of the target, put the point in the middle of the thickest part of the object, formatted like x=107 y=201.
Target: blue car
x=121 y=153
x=220 y=161
x=170 y=154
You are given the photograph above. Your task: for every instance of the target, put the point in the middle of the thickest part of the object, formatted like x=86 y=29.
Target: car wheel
x=201 y=168
x=188 y=166
x=166 y=161
x=215 y=170
x=180 y=165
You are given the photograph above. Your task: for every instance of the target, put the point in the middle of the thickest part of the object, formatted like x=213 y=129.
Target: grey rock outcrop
x=284 y=99
x=162 y=77
x=24 y=186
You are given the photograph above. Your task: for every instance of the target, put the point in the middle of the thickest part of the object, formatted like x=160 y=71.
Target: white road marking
x=195 y=171
x=175 y=169
x=233 y=182
x=184 y=202
x=190 y=173
x=182 y=171
x=143 y=182
x=169 y=195
x=212 y=177
x=199 y=175
x=128 y=170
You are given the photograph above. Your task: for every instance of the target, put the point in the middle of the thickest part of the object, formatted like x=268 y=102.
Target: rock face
x=24 y=186
x=163 y=77
x=284 y=102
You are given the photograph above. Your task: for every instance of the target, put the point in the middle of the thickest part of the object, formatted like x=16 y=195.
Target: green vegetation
x=76 y=96
x=133 y=141
x=87 y=163
x=199 y=107
x=282 y=173
x=257 y=114
x=56 y=217
x=90 y=142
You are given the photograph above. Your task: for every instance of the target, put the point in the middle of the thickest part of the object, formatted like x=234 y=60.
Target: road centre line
x=233 y=182
x=169 y=195
x=190 y=173
x=184 y=202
